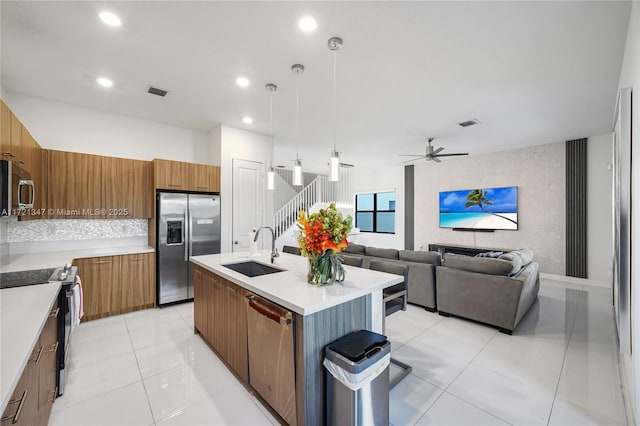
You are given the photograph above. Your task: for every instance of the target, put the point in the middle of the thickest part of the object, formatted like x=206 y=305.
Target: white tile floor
x=559 y=368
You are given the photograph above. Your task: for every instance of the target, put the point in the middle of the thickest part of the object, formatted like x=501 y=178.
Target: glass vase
x=325 y=269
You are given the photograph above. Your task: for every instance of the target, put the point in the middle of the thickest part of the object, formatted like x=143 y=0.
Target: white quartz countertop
x=23 y=313
x=52 y=259
x=290 y=288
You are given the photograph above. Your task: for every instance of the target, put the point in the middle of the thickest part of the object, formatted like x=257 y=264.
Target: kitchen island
x=313 y=317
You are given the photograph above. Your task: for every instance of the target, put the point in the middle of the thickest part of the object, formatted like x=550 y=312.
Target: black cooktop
x=23 y=278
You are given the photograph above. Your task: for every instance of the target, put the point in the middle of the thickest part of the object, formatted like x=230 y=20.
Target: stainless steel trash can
x=357 y=373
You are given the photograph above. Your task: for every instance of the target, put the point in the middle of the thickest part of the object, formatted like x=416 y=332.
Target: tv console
x=467 y=251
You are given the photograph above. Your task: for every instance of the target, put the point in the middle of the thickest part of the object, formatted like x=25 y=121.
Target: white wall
x=599 y=214
x=539 y=174
x=66 y=127
x=381 y=179
x=243 y=145
x=630 y=77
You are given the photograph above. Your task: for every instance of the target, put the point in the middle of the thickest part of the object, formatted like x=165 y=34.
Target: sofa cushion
x=483 y=265
x=420 y=256
x=526 y=255
x=382 y=252
x=515 y=259
x=355 y=248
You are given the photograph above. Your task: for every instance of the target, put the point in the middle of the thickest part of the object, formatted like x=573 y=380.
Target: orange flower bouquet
x=322 y=236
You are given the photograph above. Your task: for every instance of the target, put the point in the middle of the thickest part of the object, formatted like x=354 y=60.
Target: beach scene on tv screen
x=482 y=208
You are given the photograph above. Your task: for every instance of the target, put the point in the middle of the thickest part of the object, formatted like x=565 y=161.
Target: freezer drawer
x=271 y=357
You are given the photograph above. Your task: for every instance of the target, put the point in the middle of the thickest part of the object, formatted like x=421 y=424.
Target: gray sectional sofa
x=497 y=291
x=422 y=265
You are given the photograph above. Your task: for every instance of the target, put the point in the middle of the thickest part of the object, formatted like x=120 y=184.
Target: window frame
x=375 y=211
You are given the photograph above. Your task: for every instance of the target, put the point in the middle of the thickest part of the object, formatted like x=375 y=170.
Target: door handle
x=186 y=246
x=236 y=242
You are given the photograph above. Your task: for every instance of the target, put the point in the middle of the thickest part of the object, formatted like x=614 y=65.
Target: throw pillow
x=515 y=260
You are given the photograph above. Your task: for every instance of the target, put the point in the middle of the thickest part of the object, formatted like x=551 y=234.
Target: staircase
x=320 y=190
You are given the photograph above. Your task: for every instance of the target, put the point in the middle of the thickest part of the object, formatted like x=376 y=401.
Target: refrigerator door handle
x=190 y=232
x=186 y=246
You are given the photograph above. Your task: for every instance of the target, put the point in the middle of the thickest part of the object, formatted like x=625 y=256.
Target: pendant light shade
x=271 y=185
x=334 y=166
x=297 y=69
x=297 y=173
x=334 y=44
x=271 y=88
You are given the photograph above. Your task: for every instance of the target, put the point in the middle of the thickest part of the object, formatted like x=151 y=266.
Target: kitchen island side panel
x=313 y=333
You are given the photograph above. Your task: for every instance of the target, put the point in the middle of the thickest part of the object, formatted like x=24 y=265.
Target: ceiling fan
x=431 y=154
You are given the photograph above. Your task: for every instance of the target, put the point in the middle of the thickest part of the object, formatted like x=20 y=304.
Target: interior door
x=248 y=201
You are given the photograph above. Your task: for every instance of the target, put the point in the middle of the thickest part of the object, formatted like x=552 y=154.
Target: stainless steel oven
x=67 y=303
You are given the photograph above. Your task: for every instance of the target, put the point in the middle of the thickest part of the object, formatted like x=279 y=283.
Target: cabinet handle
x=136 y=259
x=37 y=360
x=96 y=262
x=19 y=162
x=8 y=154
x=202 y=187
x=16 y=416
x=54 y=313
x=53 y=394
x=54 y=347
x=174 y=185
x=231 y=289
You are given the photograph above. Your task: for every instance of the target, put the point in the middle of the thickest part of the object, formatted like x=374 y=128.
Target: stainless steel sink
x=252 y=268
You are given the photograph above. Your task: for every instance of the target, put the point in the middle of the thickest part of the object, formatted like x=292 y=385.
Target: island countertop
x=290 y=288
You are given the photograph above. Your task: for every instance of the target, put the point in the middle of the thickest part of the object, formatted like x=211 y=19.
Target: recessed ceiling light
x=110 y=19
x=307 y=24
x=242 y=81
x=247 y=120
x=104 y=82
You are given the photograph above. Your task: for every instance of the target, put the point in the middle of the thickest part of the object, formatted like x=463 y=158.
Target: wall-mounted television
x=480 y=208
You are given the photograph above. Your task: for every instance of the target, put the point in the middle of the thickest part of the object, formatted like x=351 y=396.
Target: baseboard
x=574 y=280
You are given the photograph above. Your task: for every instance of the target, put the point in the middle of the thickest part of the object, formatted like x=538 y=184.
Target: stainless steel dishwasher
x=270 y=330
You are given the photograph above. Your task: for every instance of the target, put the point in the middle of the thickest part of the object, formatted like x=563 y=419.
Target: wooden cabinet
x=186 y=176
x=171 y=174
x=220 y=318
x=201 y=301
x=93 y=186
x=18 y=146
x=31 y=401
x=137 y=275
x=115 y=285
x=124 y=187
x=99 y=283
x=48 y=364
x=75 y=184
x=204 y=178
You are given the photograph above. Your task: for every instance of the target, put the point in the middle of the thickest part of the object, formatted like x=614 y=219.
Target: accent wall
x=539 y=174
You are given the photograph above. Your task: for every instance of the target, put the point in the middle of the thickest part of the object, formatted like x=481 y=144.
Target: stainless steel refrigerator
x=187 y=225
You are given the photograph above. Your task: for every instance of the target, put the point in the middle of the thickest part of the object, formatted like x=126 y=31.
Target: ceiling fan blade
x=413 y=159
x=452 y=155
x=438 y=150
x=411 y=155
x=437 y=160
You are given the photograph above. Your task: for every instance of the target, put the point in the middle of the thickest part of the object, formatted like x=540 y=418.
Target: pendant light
x=271 y=173
x=335 y=44
x=297 y=167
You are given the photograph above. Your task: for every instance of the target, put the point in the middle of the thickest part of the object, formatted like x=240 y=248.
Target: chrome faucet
x=274 y=252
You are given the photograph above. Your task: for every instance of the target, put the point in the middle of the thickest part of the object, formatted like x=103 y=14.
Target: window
x=376 y=212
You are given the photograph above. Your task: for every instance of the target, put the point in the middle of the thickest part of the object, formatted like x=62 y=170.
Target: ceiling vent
x=156 y=91
x=469 y=123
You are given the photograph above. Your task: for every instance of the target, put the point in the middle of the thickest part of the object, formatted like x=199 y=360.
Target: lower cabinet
x=113 y=285
x=220 y=318
x=31 y=401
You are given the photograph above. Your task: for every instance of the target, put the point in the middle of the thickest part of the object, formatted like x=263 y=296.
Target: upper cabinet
x=17 y=145
x=124 y=187
x=75 y=185
x=94 y=186
x=183 y=176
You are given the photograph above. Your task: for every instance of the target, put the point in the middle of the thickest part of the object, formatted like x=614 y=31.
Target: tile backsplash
x=74 y=229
